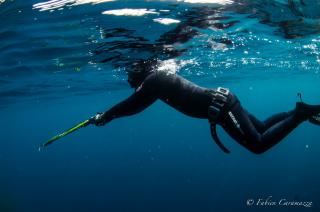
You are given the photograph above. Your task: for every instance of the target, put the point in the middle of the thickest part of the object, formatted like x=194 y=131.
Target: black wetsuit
x=194 y=101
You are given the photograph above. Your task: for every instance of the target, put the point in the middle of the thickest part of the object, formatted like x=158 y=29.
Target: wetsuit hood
x=139 y=71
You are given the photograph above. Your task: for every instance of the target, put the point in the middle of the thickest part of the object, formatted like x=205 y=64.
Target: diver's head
x=139 y=71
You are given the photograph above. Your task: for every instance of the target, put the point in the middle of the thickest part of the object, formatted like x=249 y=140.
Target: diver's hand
x=98 y=120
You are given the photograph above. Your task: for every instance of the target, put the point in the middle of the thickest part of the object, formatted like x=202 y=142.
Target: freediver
x=219 y=106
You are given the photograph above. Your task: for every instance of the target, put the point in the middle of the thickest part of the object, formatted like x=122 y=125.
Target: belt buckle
x=224 y=91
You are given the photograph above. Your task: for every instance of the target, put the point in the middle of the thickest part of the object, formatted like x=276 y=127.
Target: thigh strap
x=220 y=100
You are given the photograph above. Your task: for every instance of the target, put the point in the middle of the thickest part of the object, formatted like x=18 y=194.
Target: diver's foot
x=308 y=112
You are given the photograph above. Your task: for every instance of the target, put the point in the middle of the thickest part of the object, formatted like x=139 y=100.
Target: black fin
x=315 y=119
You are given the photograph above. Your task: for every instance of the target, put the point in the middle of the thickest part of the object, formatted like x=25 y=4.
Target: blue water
x=60 y=66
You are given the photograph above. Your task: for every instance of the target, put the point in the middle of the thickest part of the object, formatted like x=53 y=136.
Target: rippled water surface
x=58 y=47
x=63 y=60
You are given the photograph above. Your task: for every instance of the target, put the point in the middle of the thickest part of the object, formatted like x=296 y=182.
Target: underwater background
x=64 y=60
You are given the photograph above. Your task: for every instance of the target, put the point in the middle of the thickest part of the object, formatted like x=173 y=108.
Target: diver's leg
x=262 y=126
x=259 y=125
x=239 y=126
x=303 y=110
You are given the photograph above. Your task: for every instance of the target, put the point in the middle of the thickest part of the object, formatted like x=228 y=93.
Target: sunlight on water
x=60 y=4
x=130 y=12
x=222 y=2
x=56 y=4
x=173 y=66
x=166 y=21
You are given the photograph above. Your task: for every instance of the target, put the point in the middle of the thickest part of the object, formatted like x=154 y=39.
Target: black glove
x=98 y=120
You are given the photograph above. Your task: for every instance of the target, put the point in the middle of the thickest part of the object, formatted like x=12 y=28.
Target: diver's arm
x=137 y=102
